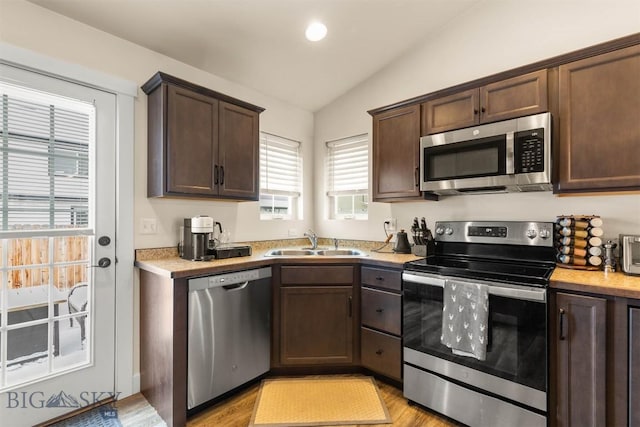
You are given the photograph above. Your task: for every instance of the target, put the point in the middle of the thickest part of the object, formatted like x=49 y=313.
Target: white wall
x=494 y=37
x=24 y=24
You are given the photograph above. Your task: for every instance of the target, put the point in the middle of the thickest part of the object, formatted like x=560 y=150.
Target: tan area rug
x=319 y=402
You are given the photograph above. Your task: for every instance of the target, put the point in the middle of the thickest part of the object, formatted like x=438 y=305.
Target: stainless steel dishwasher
x=229 y=332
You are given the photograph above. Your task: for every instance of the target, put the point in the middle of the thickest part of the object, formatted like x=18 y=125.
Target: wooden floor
x=236 y=411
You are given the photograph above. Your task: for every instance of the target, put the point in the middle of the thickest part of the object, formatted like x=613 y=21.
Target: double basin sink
x=310 y=252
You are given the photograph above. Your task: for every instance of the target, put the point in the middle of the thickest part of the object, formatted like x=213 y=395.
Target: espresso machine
x=196 y=236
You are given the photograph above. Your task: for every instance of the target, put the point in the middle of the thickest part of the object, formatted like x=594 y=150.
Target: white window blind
x=44 y=160
x=348 y=166
x=280 y=169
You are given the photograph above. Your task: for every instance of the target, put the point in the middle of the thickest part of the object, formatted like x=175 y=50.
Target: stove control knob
x=544 y=233
x=448 y=231
x=531 y=233
x=439 y=231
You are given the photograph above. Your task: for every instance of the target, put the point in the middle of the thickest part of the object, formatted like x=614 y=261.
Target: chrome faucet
x=312 y=238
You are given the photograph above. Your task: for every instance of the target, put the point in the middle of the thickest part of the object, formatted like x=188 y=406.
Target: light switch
x=148 y=226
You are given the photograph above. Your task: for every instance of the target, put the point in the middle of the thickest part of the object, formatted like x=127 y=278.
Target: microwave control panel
x=529 y=151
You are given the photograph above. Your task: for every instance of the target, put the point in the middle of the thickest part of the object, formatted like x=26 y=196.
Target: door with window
x=57 y=246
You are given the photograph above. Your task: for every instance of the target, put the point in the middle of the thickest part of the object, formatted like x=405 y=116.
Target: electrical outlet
x=148 y=226
x=391 y=224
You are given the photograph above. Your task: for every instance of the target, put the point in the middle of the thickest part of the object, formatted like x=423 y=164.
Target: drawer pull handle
x=380 y=278
x=379 y=352
x=562 y=313
x=379 y=310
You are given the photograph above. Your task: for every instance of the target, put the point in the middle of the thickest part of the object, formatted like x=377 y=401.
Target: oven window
x=516 y=348
x=476 y=158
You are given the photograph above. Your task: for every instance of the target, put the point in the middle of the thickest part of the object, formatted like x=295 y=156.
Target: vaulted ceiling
x=260 y=44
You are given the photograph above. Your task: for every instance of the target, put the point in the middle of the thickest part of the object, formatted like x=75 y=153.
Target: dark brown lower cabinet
x=316 y=325
x=381 y=331
x=316 y=315
x=382 y=353
x=580 y=341
x=634 y=367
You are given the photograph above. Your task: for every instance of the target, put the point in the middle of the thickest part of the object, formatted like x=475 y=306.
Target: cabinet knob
x=379 y=352
x=379 y=310
x=483 y=110
x=380 y=278
x=475 y=111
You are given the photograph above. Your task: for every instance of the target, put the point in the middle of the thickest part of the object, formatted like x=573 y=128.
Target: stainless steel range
x=475 y=323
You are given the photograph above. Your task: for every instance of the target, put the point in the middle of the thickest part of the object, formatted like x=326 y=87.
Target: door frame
x=125 y=91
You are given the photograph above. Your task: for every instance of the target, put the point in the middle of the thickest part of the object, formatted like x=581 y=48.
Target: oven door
x=516 y=361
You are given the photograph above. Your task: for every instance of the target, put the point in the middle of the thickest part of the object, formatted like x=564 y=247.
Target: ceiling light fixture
x=316 y=31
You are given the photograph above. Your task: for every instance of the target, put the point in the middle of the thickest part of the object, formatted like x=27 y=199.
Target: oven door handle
x=502 y=291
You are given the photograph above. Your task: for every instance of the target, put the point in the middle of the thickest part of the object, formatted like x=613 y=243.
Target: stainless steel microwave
x=508 y=156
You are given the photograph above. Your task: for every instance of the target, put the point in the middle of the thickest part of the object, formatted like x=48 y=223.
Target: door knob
x=103 y=263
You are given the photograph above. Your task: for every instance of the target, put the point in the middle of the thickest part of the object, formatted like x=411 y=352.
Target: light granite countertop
x=166 y=262
x=615 y=284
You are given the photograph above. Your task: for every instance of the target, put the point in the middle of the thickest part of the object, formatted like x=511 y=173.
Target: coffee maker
x=196 y=235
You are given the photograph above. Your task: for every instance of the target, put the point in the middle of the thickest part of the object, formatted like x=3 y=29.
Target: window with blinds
x=348 y=177
x=46 y=220
x=280 y=177
x=44 y=160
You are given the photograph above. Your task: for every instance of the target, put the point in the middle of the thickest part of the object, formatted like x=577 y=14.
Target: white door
x=57 y=236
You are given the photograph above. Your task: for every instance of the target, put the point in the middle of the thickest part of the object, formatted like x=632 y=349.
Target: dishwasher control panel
x=226 y=279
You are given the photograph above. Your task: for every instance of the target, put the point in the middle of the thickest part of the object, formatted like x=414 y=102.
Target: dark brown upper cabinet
x=396 y=156
x=514 y=97
x=201 y=143
x=599 y=129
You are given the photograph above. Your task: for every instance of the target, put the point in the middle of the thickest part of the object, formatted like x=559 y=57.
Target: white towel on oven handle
x=465 y=316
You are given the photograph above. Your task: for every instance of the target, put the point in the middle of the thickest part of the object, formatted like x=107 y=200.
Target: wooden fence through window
x=33 y=254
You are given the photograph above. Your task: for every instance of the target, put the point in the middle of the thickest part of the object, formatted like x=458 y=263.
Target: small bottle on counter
x=573 y=232
x=571 y=250
x=567 y=259
x=572 y=222
x=581 y=222
x=569 y=241
x=595 y=241
x=595 y=251
x=595 y=260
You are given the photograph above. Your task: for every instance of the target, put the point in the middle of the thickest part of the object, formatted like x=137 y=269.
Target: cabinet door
x=580 y=342
x=456 y=111
x=192 y=142
x=515 y=97
x=316 y=325
x=396 y=139
x=599 y=132
x=239 y=164
x=634 y=367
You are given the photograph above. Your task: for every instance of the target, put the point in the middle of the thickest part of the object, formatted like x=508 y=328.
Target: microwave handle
x=515 y=293
x=510 y=155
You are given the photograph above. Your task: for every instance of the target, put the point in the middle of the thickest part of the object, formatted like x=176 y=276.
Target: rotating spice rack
x=578 y=240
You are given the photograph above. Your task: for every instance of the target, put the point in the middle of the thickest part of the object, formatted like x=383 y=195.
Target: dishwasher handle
x=236 y=287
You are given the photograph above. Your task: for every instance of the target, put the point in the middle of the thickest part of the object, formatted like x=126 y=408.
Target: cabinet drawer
x=381 y=310
x=316 y=275
x=381 y=278
x=381 y=353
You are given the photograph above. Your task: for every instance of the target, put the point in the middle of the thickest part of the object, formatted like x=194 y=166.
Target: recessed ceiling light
x=316 y=31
